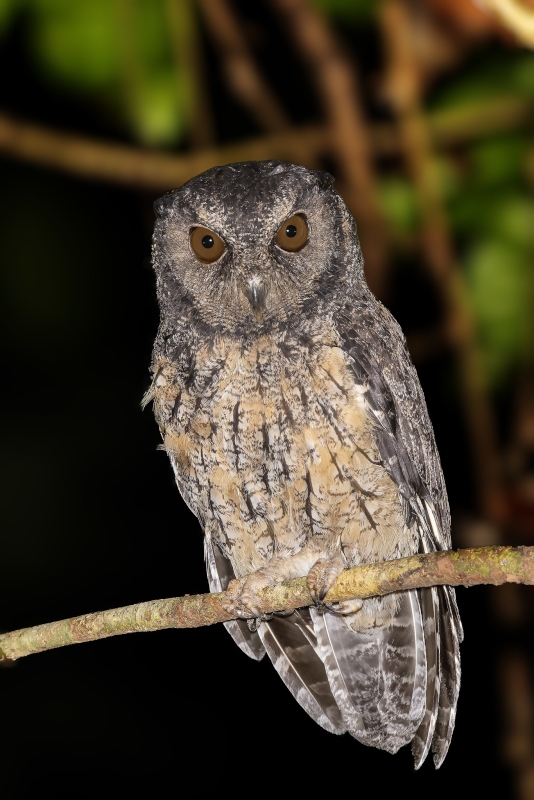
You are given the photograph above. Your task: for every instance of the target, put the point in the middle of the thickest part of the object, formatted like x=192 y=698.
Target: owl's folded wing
x=290 y=643
x=405 y=440
x=220 y=573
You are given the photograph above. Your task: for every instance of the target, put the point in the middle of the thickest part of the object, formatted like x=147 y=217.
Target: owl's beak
x=255 y=292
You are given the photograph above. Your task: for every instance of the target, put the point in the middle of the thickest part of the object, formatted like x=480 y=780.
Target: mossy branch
x=495 y=565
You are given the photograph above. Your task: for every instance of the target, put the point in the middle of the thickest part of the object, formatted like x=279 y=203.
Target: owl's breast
x=274 y=446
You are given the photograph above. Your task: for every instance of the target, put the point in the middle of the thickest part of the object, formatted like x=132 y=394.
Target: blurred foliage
x=118 y=54
x=493 y=213
x=134 y=61
x=348 y=10
x=399 y=204
x=500 y=74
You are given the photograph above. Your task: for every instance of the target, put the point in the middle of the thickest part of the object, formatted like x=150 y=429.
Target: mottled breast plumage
x=273 y=440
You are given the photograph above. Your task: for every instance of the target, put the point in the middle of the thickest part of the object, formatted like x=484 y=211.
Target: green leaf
x=156 y=113
x=503 y=73
x=499 y=160
x=75 y=42
x=399 y=203
x=153 y=84
x=497 y=279
x=348 y=10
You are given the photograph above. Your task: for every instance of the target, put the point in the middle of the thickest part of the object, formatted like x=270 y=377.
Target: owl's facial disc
x=247 y=247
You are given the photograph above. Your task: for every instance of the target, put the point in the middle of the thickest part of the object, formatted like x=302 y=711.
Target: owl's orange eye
x=293 y=233
x=206 y=245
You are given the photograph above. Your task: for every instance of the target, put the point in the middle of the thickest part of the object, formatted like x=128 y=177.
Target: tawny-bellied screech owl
x=299 y=437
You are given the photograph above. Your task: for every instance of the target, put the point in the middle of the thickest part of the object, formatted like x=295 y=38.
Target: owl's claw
x=242 y=600
x=321 y=578
x=255 y=622
x=345 y=607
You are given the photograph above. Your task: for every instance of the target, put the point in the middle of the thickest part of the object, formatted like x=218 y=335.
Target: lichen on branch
x=471 y=567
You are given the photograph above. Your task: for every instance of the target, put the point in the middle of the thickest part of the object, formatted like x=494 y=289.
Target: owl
x=299 y=437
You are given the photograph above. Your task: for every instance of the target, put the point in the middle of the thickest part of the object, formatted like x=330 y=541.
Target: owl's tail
x=387 y=686
x=378 y=676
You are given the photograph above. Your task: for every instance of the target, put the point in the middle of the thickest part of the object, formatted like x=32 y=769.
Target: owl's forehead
x=251 y=196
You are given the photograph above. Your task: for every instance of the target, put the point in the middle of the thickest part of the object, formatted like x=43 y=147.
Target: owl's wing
x=393 y=394
x=290 y=643
x=405 y=439
x=292 y=646
x=220 y=573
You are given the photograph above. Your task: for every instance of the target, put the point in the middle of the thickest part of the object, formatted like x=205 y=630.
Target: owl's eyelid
x=296 y=214
x=207 y=227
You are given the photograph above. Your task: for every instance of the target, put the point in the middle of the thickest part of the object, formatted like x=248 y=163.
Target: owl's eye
x=206 y=245
x=293 y=233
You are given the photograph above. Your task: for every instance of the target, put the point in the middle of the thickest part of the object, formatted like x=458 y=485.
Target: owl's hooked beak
x=255 y=292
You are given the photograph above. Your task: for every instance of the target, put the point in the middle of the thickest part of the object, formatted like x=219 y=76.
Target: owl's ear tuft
x=163 y=205
x=325 y=179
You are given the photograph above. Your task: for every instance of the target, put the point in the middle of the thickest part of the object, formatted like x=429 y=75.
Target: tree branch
x=495 y=565
x=242 y=74
x=438 y=248
x=100 y=160
x=338 y=87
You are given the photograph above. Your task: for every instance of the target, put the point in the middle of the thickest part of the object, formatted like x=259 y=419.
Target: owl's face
x=246 y=246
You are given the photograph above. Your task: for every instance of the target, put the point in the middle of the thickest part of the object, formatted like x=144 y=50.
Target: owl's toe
x=242 y=599
x=232 y=602
x=345 y=607
x=322 y=577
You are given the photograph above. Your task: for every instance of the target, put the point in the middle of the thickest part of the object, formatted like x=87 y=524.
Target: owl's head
x=246 y=246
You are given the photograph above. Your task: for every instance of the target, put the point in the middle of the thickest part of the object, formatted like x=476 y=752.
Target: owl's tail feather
x=451 y=635
x=377 y=676
x=291 y=645
x=220 y=573
x=429 y=602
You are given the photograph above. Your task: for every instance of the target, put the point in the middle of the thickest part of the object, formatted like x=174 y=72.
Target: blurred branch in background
x=404 y=88
x=158 y=171
x=190 y=71
x=338 y=87
x=139 y=168
x=515 y=680
x=518 y=16
x=242 y=75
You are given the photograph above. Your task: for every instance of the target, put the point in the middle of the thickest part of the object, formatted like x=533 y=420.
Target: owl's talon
x=232 y=603
x=323 y=576
x=242 y=599
x=255 y=622
x=345 y=607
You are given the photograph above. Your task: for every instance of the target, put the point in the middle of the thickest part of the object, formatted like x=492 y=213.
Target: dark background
x=90 y=516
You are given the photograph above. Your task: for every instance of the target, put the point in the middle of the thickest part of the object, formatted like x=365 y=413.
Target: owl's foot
x=320 y=580
x=242 y=599
x=322 y=577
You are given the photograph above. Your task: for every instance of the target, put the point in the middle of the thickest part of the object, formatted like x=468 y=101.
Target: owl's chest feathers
x=273 y=449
